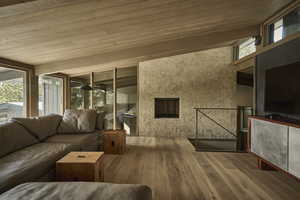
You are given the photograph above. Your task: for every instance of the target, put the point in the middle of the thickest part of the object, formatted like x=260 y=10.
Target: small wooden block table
x=114 y=141
x=81 y=166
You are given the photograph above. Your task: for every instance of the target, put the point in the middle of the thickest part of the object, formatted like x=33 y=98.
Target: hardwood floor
x=174 y=170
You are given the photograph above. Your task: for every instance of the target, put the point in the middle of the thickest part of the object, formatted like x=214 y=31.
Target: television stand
x=274 y=116
x=280 y=118
x=275 y=143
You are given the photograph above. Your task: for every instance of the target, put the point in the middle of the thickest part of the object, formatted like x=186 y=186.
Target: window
x=287 y=25
x=50 y=95
x=80 y=92
x=246 y=48
x=12 y=94
x=77 y=95
x=166 y=107
x=278 y=30
x=103 y=96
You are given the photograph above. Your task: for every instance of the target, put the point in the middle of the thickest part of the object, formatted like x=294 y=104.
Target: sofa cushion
x=69 y=123
x=30 y=163
x=85 y=142
x=78 y=190
x=100 y=121
x=78 y=121
x=14 y=137
x=41 y=127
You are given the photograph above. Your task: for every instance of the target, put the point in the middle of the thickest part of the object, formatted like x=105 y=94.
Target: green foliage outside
x=77 y=98
x=11 y=91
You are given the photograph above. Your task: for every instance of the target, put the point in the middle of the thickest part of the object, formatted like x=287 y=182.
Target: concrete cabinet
x=277 y=143
x=294 y=151
x=270 y=142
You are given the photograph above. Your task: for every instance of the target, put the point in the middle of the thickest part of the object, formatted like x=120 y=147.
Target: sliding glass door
x=50 y=95
x=12 y=94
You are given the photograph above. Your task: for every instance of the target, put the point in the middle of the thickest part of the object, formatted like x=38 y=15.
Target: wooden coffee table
x=81 y=166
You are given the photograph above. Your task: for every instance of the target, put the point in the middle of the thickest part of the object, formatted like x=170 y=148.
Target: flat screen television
x=282 y=90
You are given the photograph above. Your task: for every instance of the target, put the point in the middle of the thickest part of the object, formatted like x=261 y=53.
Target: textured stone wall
x=200 y=79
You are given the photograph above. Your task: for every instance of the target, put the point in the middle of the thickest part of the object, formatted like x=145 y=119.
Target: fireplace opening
x=166 y=107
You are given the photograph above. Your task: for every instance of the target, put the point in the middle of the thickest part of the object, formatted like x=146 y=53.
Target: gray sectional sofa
x=78 y=191
x=29 y=147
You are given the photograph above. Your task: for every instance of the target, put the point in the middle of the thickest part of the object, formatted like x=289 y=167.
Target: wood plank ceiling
x=78 y=36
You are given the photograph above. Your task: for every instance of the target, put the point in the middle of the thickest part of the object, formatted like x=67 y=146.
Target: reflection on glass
x=103 y=96
x=246 y=48
x=126 y=86
x=245 y=113
x=12 y=94
x=80 y=98
x=278 y=30
x=286 y=26
x=50 y=95
x=77 y=95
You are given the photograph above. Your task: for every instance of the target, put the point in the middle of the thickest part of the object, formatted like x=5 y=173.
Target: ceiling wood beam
x=14 y=64
x=18 y=7
x=13 y=2
x=130 y=57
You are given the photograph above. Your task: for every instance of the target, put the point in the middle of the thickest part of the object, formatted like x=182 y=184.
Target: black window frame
x=270 y=28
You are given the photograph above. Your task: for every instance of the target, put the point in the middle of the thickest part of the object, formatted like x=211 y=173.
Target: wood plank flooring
x=174 y=171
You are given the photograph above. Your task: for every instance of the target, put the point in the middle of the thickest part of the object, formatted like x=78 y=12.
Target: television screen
x=282 y=91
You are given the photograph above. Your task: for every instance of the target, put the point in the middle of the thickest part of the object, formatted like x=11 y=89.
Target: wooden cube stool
x=81 y=166
x=114 y=141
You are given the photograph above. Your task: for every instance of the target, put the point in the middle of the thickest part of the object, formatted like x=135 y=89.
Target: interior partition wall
x=103 y=96
x=77 y=95
x=80 y=98
x=126 y=99
x=112 y=93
